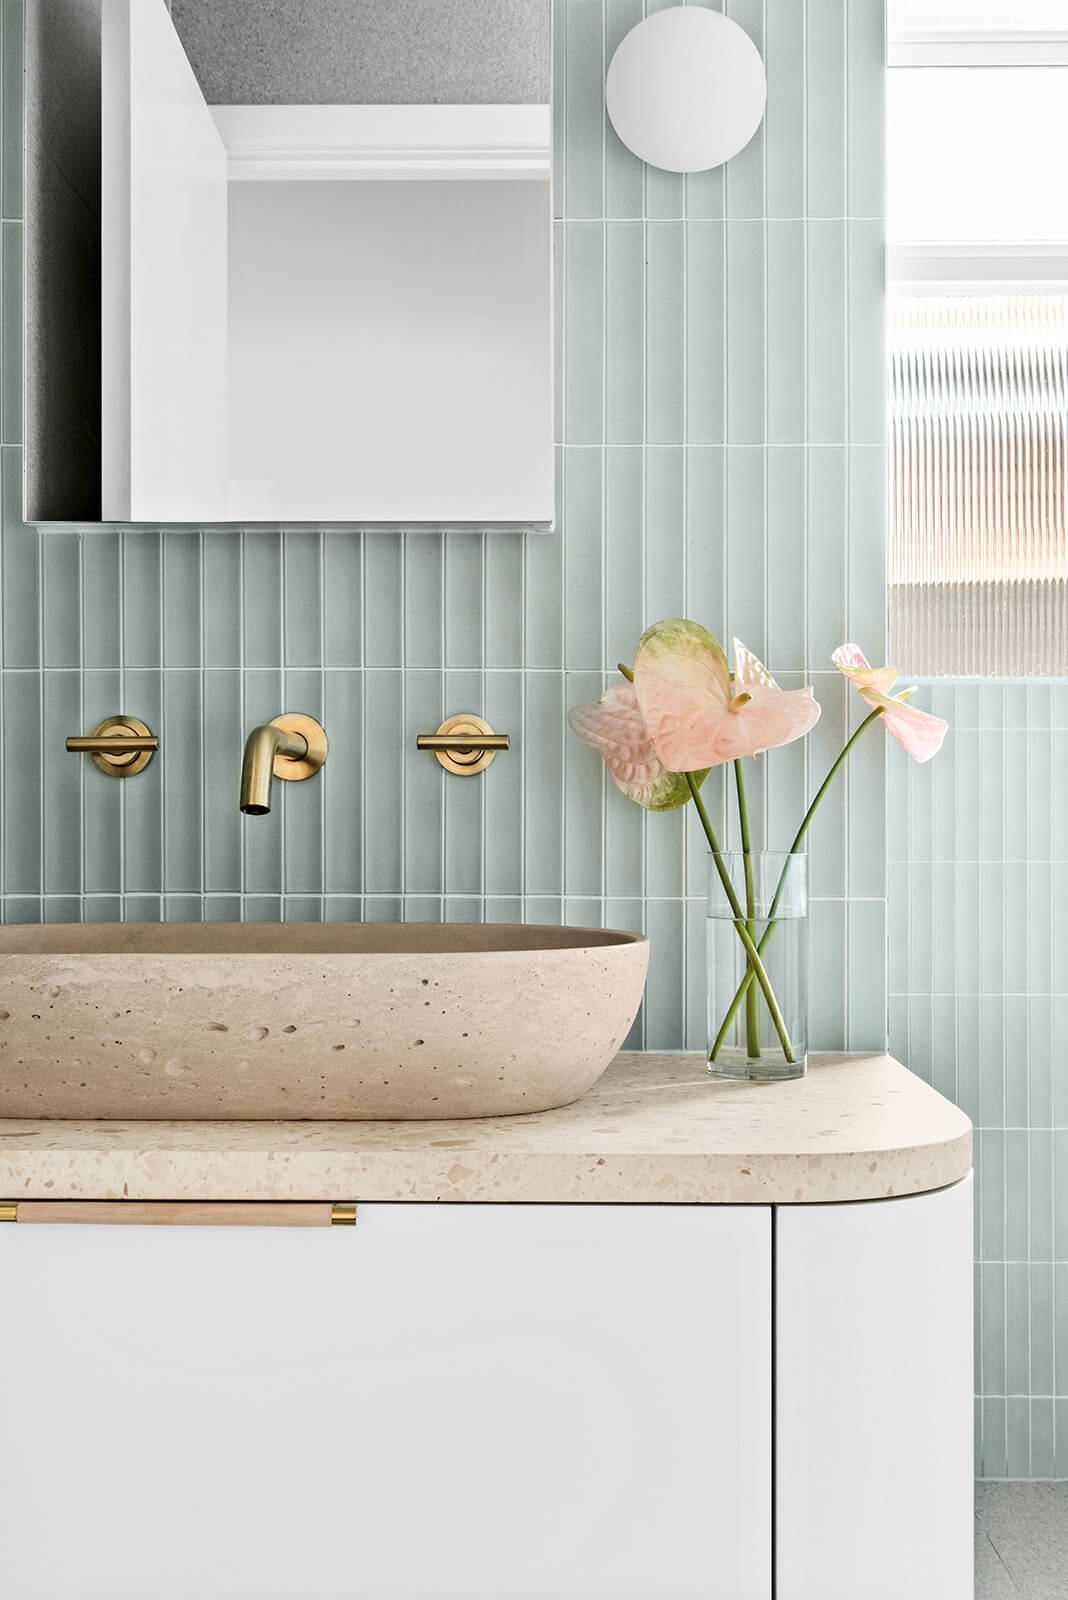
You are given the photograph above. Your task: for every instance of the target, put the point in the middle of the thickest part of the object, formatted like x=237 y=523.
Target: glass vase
x=758 y=1032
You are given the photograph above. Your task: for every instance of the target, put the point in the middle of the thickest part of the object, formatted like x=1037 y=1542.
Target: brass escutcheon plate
x=126 y=765
x=465 y=763
x=315 y=736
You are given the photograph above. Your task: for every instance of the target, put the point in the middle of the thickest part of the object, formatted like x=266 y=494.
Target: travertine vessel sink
x=347 y=1020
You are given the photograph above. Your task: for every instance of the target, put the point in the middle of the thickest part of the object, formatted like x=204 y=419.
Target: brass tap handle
x=463 y=741
x=464 y=744
x=120 y=746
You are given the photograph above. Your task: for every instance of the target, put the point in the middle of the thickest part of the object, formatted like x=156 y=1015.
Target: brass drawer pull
x=185 y=1213
x=120 y=746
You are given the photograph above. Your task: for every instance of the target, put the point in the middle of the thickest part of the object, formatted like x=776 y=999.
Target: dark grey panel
x=62 y=296
x=352 y=52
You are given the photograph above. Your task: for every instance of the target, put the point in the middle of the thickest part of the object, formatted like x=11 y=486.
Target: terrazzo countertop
x=654 y=1129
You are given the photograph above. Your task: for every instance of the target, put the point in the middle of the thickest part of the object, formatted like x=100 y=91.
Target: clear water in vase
x=760 y=1034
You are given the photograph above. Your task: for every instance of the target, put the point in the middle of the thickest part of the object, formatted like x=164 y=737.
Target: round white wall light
x=686 y=89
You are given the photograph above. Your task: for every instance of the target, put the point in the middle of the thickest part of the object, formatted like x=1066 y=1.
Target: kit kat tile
x=825 y=108
x=423 y=599
x=705 y=332
x=583 y=312
x=584 y=780
x=665 y=332
x=262 y=598
x=464 y=598
x=624 y=173
x=503 y=800
x=182 y=588
x=342 y=598
x=583 y=558
x=786 y=332
x=302 y=597
x=746 y=334
x=624 y=351
x=784 y=117
x=827 y=333
x=61 y=594
x=744 y=173
x=11 y=334
x=61 y=780
x=543 y=781
x=579 y=31
x=383 y=601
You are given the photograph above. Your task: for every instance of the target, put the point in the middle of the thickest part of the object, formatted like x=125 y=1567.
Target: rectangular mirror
x=289 y=263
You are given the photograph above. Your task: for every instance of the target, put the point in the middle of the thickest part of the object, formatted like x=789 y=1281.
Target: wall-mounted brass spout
x=292 y=746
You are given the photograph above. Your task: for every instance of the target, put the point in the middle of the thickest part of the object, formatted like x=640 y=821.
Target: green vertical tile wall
x=979 y=1007
x=721 y=453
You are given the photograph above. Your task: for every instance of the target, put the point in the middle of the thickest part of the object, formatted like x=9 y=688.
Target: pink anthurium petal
x=920 y=733
x=749 y=673
x=683 y=684
x=615 y=726
x=848 y=658
x=694 y=716
x=773 y=716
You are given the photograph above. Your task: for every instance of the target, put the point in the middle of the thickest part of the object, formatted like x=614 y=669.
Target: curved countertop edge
x=654 y=1130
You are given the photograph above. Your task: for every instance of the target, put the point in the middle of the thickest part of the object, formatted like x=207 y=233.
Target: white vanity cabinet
x=873 y=1362
x=677 y=1341
x=442 y=1403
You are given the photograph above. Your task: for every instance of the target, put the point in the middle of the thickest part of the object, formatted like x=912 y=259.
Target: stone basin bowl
x=309 y=1020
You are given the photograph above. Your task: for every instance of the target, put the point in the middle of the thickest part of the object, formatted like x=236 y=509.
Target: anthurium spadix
x=697 y=714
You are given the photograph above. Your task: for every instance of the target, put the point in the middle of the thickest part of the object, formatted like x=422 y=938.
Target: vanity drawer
x=468 y=1402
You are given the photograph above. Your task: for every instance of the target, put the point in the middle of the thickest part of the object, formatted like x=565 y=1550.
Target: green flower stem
x=752 y=998
x=745 y=987
x=739 y=919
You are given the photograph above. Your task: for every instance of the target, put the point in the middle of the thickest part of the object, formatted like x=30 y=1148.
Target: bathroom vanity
x=680 y=1339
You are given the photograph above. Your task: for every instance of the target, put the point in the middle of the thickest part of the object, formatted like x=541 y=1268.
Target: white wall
x=390 y=352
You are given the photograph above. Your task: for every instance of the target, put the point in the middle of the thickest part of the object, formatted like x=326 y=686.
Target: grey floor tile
x=1021 y=1548
x=993 y=1581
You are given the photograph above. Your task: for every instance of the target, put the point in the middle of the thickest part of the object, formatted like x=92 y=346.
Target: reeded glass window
x=977 y=222
x=978 y=445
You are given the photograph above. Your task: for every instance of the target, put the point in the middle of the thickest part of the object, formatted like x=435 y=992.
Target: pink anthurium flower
x=696 y=714
x=682 y=712
x=615 y=726
x=919 y=732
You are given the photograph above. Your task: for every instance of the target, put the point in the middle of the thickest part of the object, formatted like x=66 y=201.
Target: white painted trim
x=385 y=141
x=163 y=270
x=977 y=47
x=975 y=266
x=116 y=108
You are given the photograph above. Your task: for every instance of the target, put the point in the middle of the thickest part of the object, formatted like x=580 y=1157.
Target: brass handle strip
x=121 y=745
x=184 y=1213
x=452 y=741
